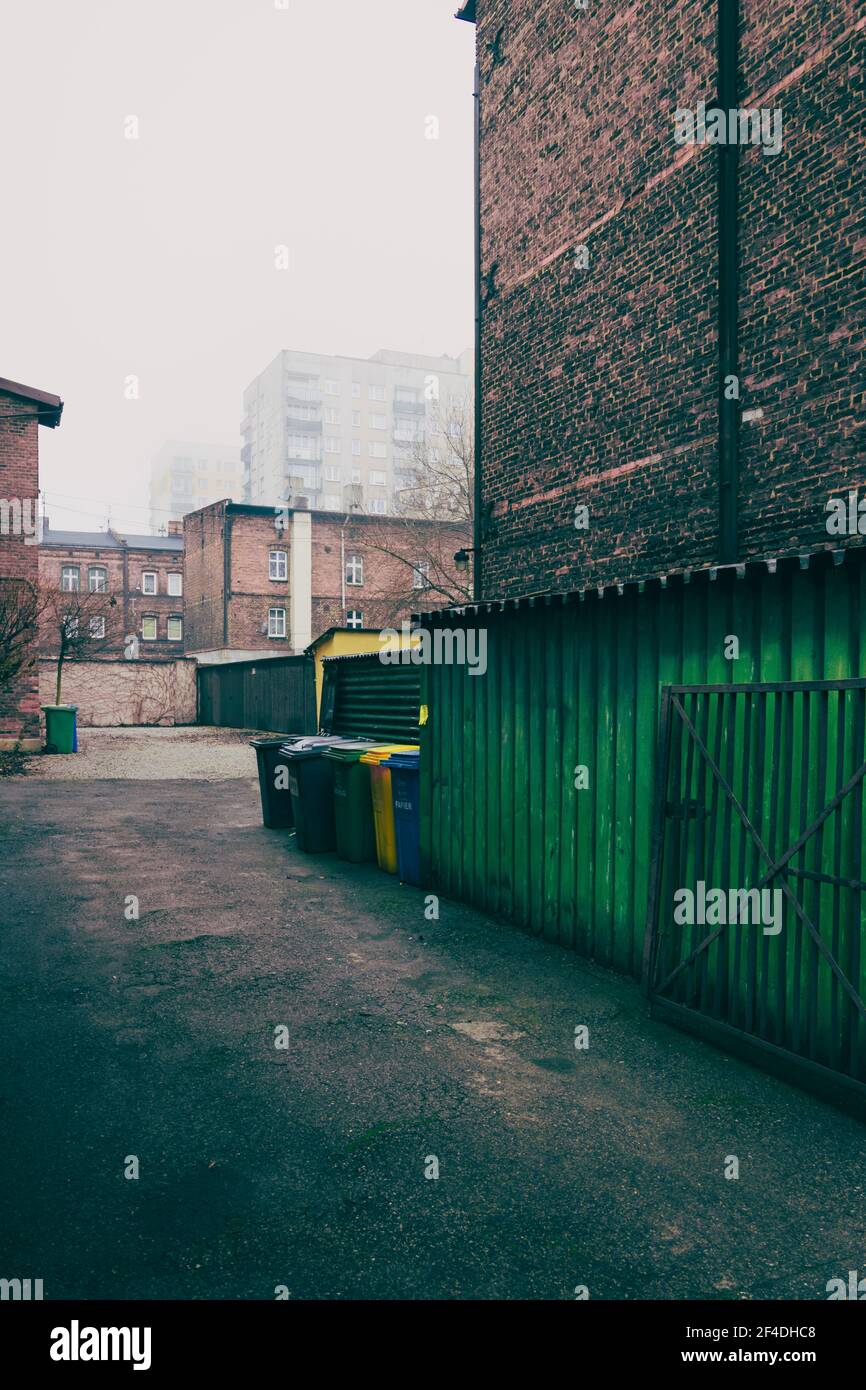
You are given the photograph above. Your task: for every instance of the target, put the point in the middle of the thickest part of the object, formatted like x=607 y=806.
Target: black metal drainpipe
x=729 y=169
x=477 y=585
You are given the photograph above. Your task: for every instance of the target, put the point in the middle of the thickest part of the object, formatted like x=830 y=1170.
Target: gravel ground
x=203 y=753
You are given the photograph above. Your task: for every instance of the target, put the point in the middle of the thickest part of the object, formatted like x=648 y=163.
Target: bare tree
x=76 y=625
x=439 y=467
x=437 y=472
x=19 y=623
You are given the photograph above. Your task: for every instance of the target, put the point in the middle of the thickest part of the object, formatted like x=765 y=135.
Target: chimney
x=175 y=528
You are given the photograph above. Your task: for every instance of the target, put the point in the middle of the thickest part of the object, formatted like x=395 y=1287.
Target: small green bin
x=60 y=731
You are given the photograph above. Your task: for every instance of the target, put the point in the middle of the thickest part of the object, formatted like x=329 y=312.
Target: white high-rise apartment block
x=341 y=433
x=185 y=476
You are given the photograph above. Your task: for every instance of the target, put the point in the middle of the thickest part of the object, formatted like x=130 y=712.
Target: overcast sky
x=258 y=126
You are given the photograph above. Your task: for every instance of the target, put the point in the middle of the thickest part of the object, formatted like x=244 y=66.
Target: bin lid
x=268 y=742
x=312 y=747
x=348 y=750
x=407 y=760
x=382 y=751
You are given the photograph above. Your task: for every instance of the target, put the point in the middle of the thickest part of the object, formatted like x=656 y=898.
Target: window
x=97 y=627
x=406 y=395
x=332 y=388
x=376 y=478
x=356 y=447
x=148 y=581
x=97 y=579
x=202 y=463
x=70 y=627
x=333 y=472
x=302 y=446
x=276 y=622
x=378 y=506
x=303 y=412
x=356 y=419
x=148 y=628
x=175 y=628
x=354 y=618
x=69 y=579
x=333 y=445
x=332 y=417
x=420 y=571
x=377 y=450
x=356 y=389
x=354 y=569
x=175 y=585
x=377 y=422
x=375 y=393
x=278 y=564
x=356 y=475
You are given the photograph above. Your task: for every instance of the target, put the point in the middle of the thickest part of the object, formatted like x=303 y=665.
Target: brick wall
x=19 y=480
x=203 y=578
x=253 y=537
x=124 y=692
x=387 y=548
x=599 y=384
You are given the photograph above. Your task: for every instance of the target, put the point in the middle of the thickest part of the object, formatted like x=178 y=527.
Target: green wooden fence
x=576 y=681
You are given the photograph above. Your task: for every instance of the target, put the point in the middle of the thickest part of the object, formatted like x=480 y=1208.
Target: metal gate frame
x=837 y=1085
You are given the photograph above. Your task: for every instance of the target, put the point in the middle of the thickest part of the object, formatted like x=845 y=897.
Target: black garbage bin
x=311 y=779
x=277 y=812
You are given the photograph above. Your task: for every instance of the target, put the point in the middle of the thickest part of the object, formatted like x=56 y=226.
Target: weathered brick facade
x=22 y=410
x=228 y=591
x=125 y=563
x=599 y=384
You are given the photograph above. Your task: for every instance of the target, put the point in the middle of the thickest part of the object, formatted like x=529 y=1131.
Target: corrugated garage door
x=362 y=697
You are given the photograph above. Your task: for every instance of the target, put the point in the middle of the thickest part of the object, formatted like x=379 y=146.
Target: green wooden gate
x=755 y=922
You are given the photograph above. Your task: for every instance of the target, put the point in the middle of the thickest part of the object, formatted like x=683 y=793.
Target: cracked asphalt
x=408 y=1040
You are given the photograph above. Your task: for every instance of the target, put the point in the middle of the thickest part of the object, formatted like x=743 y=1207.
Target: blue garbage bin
x=405 y=779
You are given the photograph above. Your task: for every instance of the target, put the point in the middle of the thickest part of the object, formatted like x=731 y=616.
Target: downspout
x=343 y=570
x=121 y=541
x=728 y=263
x=477 y=586
x=227 y=573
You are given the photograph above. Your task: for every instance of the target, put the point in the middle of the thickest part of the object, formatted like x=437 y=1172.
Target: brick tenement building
x=22 y=410
x=262 y=580
x=144 y=573
x=600 y=286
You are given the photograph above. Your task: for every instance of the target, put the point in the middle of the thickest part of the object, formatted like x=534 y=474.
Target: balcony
x=298 y=426
x=413 y=408
x=303 y=395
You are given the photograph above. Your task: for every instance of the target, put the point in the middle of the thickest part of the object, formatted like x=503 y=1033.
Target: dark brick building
x=22 y=410
x=259 y=579
x=144 y=573
x=600 y=286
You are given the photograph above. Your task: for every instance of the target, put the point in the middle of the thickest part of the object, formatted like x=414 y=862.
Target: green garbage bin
x=60 y=732
x=353 y=810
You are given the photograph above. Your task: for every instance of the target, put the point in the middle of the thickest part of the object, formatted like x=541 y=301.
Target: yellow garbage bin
x=383 y=806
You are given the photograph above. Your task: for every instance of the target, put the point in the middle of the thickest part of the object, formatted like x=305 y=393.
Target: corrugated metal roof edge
x=355 y=656
x=547 y=598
